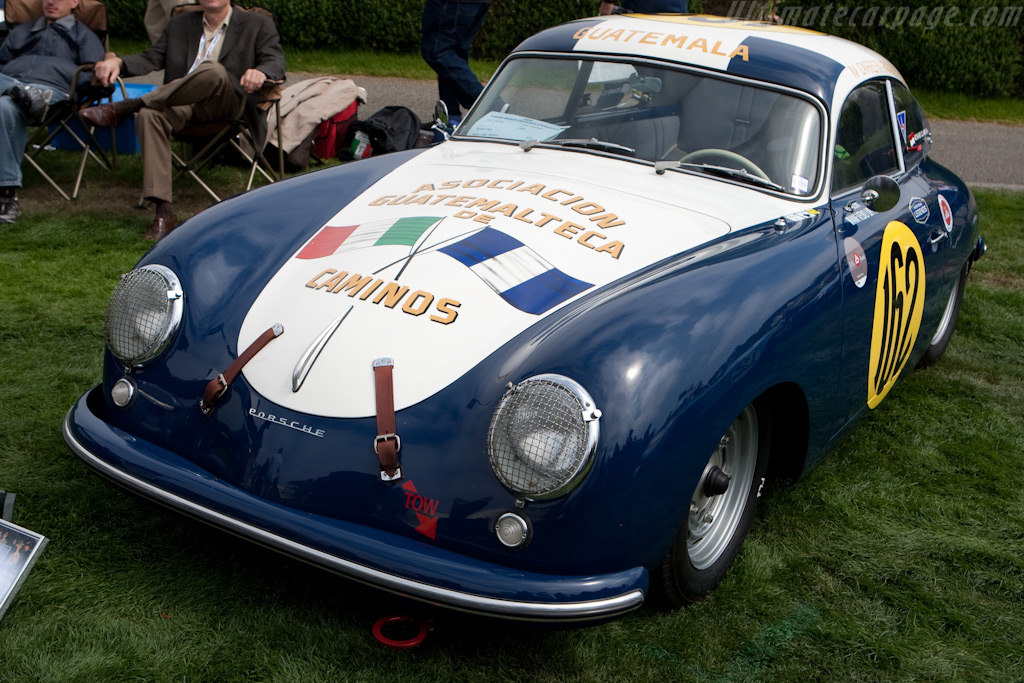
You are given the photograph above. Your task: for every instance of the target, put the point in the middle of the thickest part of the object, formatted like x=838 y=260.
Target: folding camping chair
x=213 y=138
x=62 y=117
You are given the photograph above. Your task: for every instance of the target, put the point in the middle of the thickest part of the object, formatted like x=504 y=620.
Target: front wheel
x=944 y=332
x=720 y=510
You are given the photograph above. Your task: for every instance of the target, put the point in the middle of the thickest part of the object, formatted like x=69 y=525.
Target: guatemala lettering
x=620 y=35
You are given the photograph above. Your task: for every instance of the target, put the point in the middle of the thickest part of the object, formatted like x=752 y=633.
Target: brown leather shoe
x=110 y=115
x=161 y=228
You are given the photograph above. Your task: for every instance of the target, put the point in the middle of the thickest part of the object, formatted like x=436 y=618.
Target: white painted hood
x=449 y=256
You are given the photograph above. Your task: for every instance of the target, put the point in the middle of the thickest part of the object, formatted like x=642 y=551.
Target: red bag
x=329 y=141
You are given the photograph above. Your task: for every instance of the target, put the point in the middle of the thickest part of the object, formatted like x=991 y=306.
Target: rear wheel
x=720 y=510
x=944 y=332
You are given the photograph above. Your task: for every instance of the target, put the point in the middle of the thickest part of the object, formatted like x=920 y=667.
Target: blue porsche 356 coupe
x=545 y=366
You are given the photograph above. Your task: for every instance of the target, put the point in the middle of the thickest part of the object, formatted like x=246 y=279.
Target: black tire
x=944 y=331
x=703 y=550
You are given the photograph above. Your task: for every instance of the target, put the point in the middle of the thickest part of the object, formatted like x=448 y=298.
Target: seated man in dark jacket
x=237 y=51
x=37 y=62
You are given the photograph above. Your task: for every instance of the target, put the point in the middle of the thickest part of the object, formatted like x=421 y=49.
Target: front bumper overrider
x=403 y=566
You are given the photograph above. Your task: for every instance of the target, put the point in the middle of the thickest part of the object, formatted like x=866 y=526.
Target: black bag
x=391 y=129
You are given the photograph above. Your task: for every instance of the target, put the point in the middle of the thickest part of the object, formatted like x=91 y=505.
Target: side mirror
x=880 y=193
x=442 y=122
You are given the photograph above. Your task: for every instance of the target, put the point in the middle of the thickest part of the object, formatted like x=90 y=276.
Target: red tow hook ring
x=378 y=632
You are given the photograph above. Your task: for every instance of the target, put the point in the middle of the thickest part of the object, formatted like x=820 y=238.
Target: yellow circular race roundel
x=899 y=300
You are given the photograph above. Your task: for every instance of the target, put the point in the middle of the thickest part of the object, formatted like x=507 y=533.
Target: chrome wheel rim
x=713 y=519
x=947 y=315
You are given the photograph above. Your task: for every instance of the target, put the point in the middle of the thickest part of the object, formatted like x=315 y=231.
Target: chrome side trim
x=458 y=600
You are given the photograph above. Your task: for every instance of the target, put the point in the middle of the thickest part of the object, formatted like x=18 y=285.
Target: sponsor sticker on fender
x=899 y=301
x=857 y=261
x=858 y=213
x=947 y=213
x=919 y=210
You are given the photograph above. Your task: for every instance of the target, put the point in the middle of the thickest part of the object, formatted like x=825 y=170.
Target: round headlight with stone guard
x=542 y=436
x=143 y=314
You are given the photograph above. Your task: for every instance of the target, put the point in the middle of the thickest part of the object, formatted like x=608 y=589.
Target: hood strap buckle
x=387 y=443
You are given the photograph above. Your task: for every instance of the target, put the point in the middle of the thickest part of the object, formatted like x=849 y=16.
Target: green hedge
x=958 y=48
x=509 y=22
x=124 y=18
x=931 y=47
x=385 y=25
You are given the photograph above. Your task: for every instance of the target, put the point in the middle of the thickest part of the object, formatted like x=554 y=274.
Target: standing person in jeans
x=37 y=62
x=646 y=6
x=449 y=27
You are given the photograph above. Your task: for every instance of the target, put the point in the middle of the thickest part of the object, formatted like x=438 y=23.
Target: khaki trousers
x=202 y=96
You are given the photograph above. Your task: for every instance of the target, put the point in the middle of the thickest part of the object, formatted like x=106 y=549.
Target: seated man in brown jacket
x=210 y=58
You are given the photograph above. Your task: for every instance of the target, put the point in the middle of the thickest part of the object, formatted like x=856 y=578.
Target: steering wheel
x=745 y=163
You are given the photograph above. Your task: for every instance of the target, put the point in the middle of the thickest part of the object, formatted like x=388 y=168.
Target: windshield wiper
x=586 y=143
x=741 y=174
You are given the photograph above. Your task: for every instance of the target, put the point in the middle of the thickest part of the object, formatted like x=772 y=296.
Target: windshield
x=693 y=121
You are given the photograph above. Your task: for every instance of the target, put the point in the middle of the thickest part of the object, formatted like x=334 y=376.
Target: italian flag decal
x=333 y=239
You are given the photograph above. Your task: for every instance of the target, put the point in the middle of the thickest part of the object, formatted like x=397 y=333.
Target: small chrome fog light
x=512 y=530
x=122 y=393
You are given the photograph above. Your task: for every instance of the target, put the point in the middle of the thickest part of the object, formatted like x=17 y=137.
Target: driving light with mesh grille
x=542 y=436
x=143 y=314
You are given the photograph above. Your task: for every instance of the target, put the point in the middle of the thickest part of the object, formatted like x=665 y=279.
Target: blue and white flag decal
x=516 y=272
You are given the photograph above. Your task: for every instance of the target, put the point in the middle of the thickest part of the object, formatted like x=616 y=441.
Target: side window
x=864 y=138
x=913 y=125
x=537 y=89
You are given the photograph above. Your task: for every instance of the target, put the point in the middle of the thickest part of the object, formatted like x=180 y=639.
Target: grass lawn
x=963 y=107
x=898 y=558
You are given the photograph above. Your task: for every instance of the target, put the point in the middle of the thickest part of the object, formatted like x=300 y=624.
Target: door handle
x=937 y=236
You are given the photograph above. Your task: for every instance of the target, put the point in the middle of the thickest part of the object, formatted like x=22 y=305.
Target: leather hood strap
x=218 y=386
x=386 y=444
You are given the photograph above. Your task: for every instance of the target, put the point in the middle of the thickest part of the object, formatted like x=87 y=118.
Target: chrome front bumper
x=367 y=555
